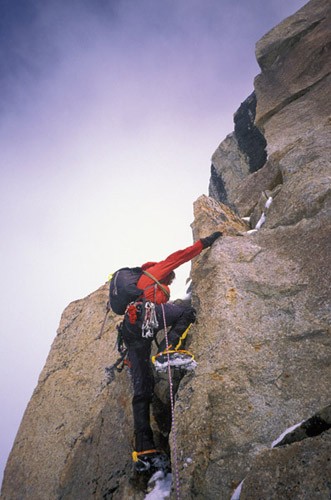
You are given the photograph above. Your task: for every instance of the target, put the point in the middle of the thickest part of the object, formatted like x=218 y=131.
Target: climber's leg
x=178 y=318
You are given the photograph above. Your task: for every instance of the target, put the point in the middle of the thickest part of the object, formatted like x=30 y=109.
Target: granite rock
x=302 y=470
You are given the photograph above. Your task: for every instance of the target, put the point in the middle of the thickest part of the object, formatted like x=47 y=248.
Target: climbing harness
x=173 y=421
x=145 y=311
x=150 y=322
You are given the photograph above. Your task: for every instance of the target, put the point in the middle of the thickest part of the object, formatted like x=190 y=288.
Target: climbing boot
x=151 y=461
x=180 y=359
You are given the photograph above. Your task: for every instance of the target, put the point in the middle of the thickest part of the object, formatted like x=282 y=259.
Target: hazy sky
x=110 y=112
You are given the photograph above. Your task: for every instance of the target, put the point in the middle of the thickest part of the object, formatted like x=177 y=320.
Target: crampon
x=181 y=359
x=151 y=462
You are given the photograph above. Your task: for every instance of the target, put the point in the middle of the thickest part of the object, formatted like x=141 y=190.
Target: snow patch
x=268 y=202
x=237 y=491
x=263 y=217
x=261 y=221
x=287 y=431
x=162 y=487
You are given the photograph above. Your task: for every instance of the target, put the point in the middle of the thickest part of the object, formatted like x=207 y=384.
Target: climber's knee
x=190 y=314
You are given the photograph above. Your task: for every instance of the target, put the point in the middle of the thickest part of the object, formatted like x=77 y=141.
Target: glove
x=209 y=240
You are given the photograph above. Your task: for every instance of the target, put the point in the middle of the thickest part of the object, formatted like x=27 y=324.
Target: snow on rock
x=261 y=221
x=287 y=431
x=263 y=217
x=237 y=491
x=188 y=461
x=162 y=487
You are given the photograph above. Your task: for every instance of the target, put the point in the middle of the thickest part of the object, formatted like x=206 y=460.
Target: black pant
x=139 y=351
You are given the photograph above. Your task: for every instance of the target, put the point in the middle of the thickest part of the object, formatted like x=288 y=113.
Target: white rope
x=173 y=421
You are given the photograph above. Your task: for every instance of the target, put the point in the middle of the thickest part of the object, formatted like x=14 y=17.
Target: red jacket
x=162 y=269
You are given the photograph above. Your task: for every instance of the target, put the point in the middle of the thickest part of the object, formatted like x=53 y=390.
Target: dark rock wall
x=250 y=140
x=240 y=154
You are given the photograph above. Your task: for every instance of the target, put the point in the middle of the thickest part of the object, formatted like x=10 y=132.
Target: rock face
x=75 y=424
x=262 y=338
x=291 y=472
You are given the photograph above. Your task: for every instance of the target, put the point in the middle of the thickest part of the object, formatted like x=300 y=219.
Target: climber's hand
x=209 y=240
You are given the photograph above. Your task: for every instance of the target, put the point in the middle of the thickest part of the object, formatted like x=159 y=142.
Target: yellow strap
x=183 y=336
x=135 y=454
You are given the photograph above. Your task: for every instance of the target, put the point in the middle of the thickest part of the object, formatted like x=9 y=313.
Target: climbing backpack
x=123 y=288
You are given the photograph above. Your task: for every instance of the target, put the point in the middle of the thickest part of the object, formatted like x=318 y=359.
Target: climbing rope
x=173 y=421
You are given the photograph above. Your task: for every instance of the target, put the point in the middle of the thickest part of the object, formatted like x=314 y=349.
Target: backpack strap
x=164 y=290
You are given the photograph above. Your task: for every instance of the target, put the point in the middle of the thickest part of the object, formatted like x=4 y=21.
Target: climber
x=142 y=320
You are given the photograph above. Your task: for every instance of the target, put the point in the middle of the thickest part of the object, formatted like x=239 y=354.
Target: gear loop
x=150 y=323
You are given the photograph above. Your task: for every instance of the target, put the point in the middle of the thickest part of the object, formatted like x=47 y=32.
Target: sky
x=110 y=111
